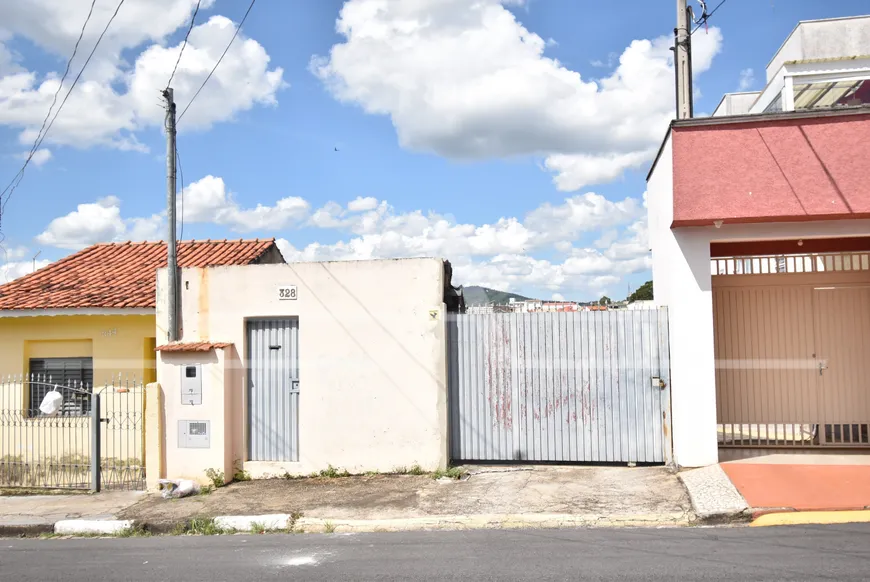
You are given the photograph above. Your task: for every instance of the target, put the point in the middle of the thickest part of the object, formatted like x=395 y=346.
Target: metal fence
x=94 y=441
x=571 y=387
x=784 y=264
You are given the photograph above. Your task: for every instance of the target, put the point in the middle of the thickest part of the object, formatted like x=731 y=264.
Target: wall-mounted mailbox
x=191 y=384
x=194 y=434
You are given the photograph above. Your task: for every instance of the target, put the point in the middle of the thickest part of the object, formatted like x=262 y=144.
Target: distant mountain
x=475 y=295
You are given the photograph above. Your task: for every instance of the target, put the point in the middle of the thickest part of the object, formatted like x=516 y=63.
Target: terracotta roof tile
x=119 y=275
x=192 y=346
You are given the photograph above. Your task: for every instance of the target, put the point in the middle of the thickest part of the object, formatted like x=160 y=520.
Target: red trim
x=770 y=219
x=790 y=247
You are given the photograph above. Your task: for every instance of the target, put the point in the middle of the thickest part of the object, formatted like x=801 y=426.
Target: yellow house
x=90 y=317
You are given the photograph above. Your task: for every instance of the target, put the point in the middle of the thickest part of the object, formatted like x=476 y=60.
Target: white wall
x=736 y=103
x=372 y=344
x=824 y=39
x=682 y=282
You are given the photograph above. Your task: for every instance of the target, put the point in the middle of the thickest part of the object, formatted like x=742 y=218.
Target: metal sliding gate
x=95 y=441
x=571 y=387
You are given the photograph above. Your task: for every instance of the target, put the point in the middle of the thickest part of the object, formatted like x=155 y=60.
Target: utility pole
x=171 y=257
x=683 y=61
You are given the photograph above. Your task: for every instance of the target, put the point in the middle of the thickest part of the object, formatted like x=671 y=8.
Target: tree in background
x=642 y=293
x=605 y=301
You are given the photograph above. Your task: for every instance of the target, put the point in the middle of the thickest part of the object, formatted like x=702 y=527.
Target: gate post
x=95 y=442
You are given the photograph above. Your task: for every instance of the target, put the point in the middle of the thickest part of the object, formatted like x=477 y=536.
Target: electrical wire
x=20 y=175
x=706 y=17
x=184 y=44
x=69 y=61
x=63 y=77
x=235 y=34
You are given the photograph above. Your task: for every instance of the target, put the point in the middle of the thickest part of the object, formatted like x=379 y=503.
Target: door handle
x=823 y=365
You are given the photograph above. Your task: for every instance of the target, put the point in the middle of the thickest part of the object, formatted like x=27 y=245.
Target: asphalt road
x=839 y=552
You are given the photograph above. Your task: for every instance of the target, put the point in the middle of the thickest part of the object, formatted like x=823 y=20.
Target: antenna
x=34 y=261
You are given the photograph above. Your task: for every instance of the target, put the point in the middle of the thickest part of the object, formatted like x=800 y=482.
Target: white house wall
x=682 y=281
x=373 y=393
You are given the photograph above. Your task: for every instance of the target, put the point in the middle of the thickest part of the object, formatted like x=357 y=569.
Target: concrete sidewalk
x=35 y=514
x=810 y=484
x=487 y=497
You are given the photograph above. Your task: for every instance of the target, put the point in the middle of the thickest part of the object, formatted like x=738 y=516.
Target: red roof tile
x=192 y=346
x=119 y=275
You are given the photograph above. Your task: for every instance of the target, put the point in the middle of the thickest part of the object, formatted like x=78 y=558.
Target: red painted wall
x=772 y=171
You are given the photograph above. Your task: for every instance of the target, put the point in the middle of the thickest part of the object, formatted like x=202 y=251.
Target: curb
x=730 y=518
x=811 y=518
x=25 y=530
x=715 y=500
x=108 y=527
x=495 y=521
x=278 y=521
x=244 y=523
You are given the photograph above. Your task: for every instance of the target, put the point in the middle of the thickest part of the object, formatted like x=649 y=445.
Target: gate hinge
x=659 y=383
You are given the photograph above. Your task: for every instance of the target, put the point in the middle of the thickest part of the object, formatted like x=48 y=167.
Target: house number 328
x=287 y=293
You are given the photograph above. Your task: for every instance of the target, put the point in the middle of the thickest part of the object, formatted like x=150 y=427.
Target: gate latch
x=658 y=383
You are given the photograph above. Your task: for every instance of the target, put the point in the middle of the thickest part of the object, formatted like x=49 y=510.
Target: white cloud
x=242 y=80
x=207 y=200
x=40 y=156
x=573 y=172
x=116 y=98
x=470 y=81
x=14 y=269
x=362 y=204
x=98 y=222
x=747 y=80
x=501 y=254
x=558 y=297
x=581 y=213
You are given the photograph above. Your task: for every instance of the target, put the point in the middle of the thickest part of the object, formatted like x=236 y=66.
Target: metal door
x=273 y=389
x=842 y=343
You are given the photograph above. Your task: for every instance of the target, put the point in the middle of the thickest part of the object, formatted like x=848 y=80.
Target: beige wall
x=373 y=393
x=191 y=463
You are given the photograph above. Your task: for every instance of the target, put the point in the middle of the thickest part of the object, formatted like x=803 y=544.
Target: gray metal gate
x=576 y=387
x=273 y=389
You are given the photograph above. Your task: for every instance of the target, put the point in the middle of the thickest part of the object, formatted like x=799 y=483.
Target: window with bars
x=65 y=375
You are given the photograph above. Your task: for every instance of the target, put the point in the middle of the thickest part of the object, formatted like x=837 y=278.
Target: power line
x=39 y=134
x=39 y=141
x=184 y=44
x=63 y=78
x=235 y=34
x=705 y=17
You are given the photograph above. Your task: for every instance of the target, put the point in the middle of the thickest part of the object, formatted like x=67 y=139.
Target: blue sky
x=467 y=130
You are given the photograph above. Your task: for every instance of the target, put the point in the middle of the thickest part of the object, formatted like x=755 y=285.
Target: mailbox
x=191 y=384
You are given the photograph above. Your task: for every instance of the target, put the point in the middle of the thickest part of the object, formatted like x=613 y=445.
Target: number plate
x=287 y=293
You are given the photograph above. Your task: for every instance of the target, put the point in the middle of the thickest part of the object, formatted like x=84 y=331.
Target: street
x=839 y=552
